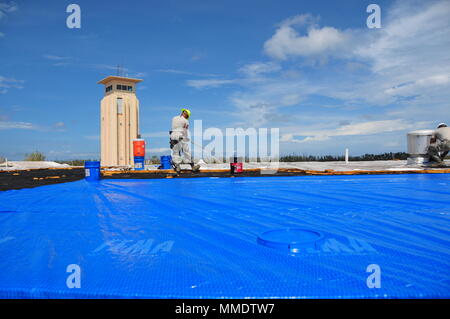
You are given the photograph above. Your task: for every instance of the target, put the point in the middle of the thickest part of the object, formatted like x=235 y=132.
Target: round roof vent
x=294 y=240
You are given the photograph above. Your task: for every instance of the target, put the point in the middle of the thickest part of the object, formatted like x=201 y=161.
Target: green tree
x=35 y=156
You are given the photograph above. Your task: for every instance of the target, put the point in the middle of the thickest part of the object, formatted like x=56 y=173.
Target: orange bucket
x=139 y=147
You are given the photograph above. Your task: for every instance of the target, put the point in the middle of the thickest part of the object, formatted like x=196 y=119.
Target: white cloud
x=56 y=57
x=413 y=30
x=251 y=73
x=363 y=128
x=139 y=75
x=411 y=88
x=408 y=57
x=373 y=127
x=175 y=71
x=289 y=138
x=9 y=83
x=258 y=68
x=157 y=150
x=290 y=99
x=59 y=126
x=58 y=60
x=182 y=72
x=299 y=20
x=405 y=65
x=322 y=42
x=5 y=125
x=258 y=103
x=7 y=7
x=208 y=83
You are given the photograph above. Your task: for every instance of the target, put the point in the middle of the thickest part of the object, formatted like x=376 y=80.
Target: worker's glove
x=173 y=143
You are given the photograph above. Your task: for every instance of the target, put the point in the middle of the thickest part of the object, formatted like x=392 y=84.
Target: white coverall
x=180 y=141
x=440 y=149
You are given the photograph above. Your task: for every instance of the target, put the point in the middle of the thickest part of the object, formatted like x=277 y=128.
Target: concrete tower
x=119 y=120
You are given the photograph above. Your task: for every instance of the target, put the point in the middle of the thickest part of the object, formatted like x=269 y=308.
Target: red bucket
x=236 y=168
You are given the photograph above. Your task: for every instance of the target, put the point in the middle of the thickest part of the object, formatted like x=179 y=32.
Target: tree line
x=39 y=156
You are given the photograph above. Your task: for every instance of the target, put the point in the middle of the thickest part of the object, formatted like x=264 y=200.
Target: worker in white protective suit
x=179 y=141
x=440 y=144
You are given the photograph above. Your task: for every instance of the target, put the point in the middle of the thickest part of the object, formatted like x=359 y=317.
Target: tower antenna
x=120 y=70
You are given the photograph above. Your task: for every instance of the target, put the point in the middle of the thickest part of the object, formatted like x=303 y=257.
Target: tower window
x=119 y=106
x=124 y=87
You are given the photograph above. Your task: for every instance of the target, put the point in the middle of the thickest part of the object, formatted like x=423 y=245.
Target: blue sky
x=310 y=68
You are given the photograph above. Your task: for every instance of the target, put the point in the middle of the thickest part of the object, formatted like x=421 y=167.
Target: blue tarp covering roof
x=197 y=238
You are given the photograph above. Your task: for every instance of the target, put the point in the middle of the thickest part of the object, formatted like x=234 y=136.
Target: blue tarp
x=197 y=238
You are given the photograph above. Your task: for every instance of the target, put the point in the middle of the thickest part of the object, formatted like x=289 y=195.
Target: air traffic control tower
x=119 y=120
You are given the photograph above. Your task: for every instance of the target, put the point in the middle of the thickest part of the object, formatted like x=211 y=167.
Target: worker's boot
x=435 y=159
x=177 y=169
x=437 y=165
x=195 y=168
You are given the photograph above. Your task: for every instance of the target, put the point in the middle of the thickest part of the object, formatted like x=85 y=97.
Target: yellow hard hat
x=187 y=111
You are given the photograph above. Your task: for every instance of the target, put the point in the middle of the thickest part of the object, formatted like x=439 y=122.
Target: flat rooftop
x=20 y=174
x=395 y=165
x=200 y=237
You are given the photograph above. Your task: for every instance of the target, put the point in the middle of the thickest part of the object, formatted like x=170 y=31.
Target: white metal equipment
x=418 y=142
